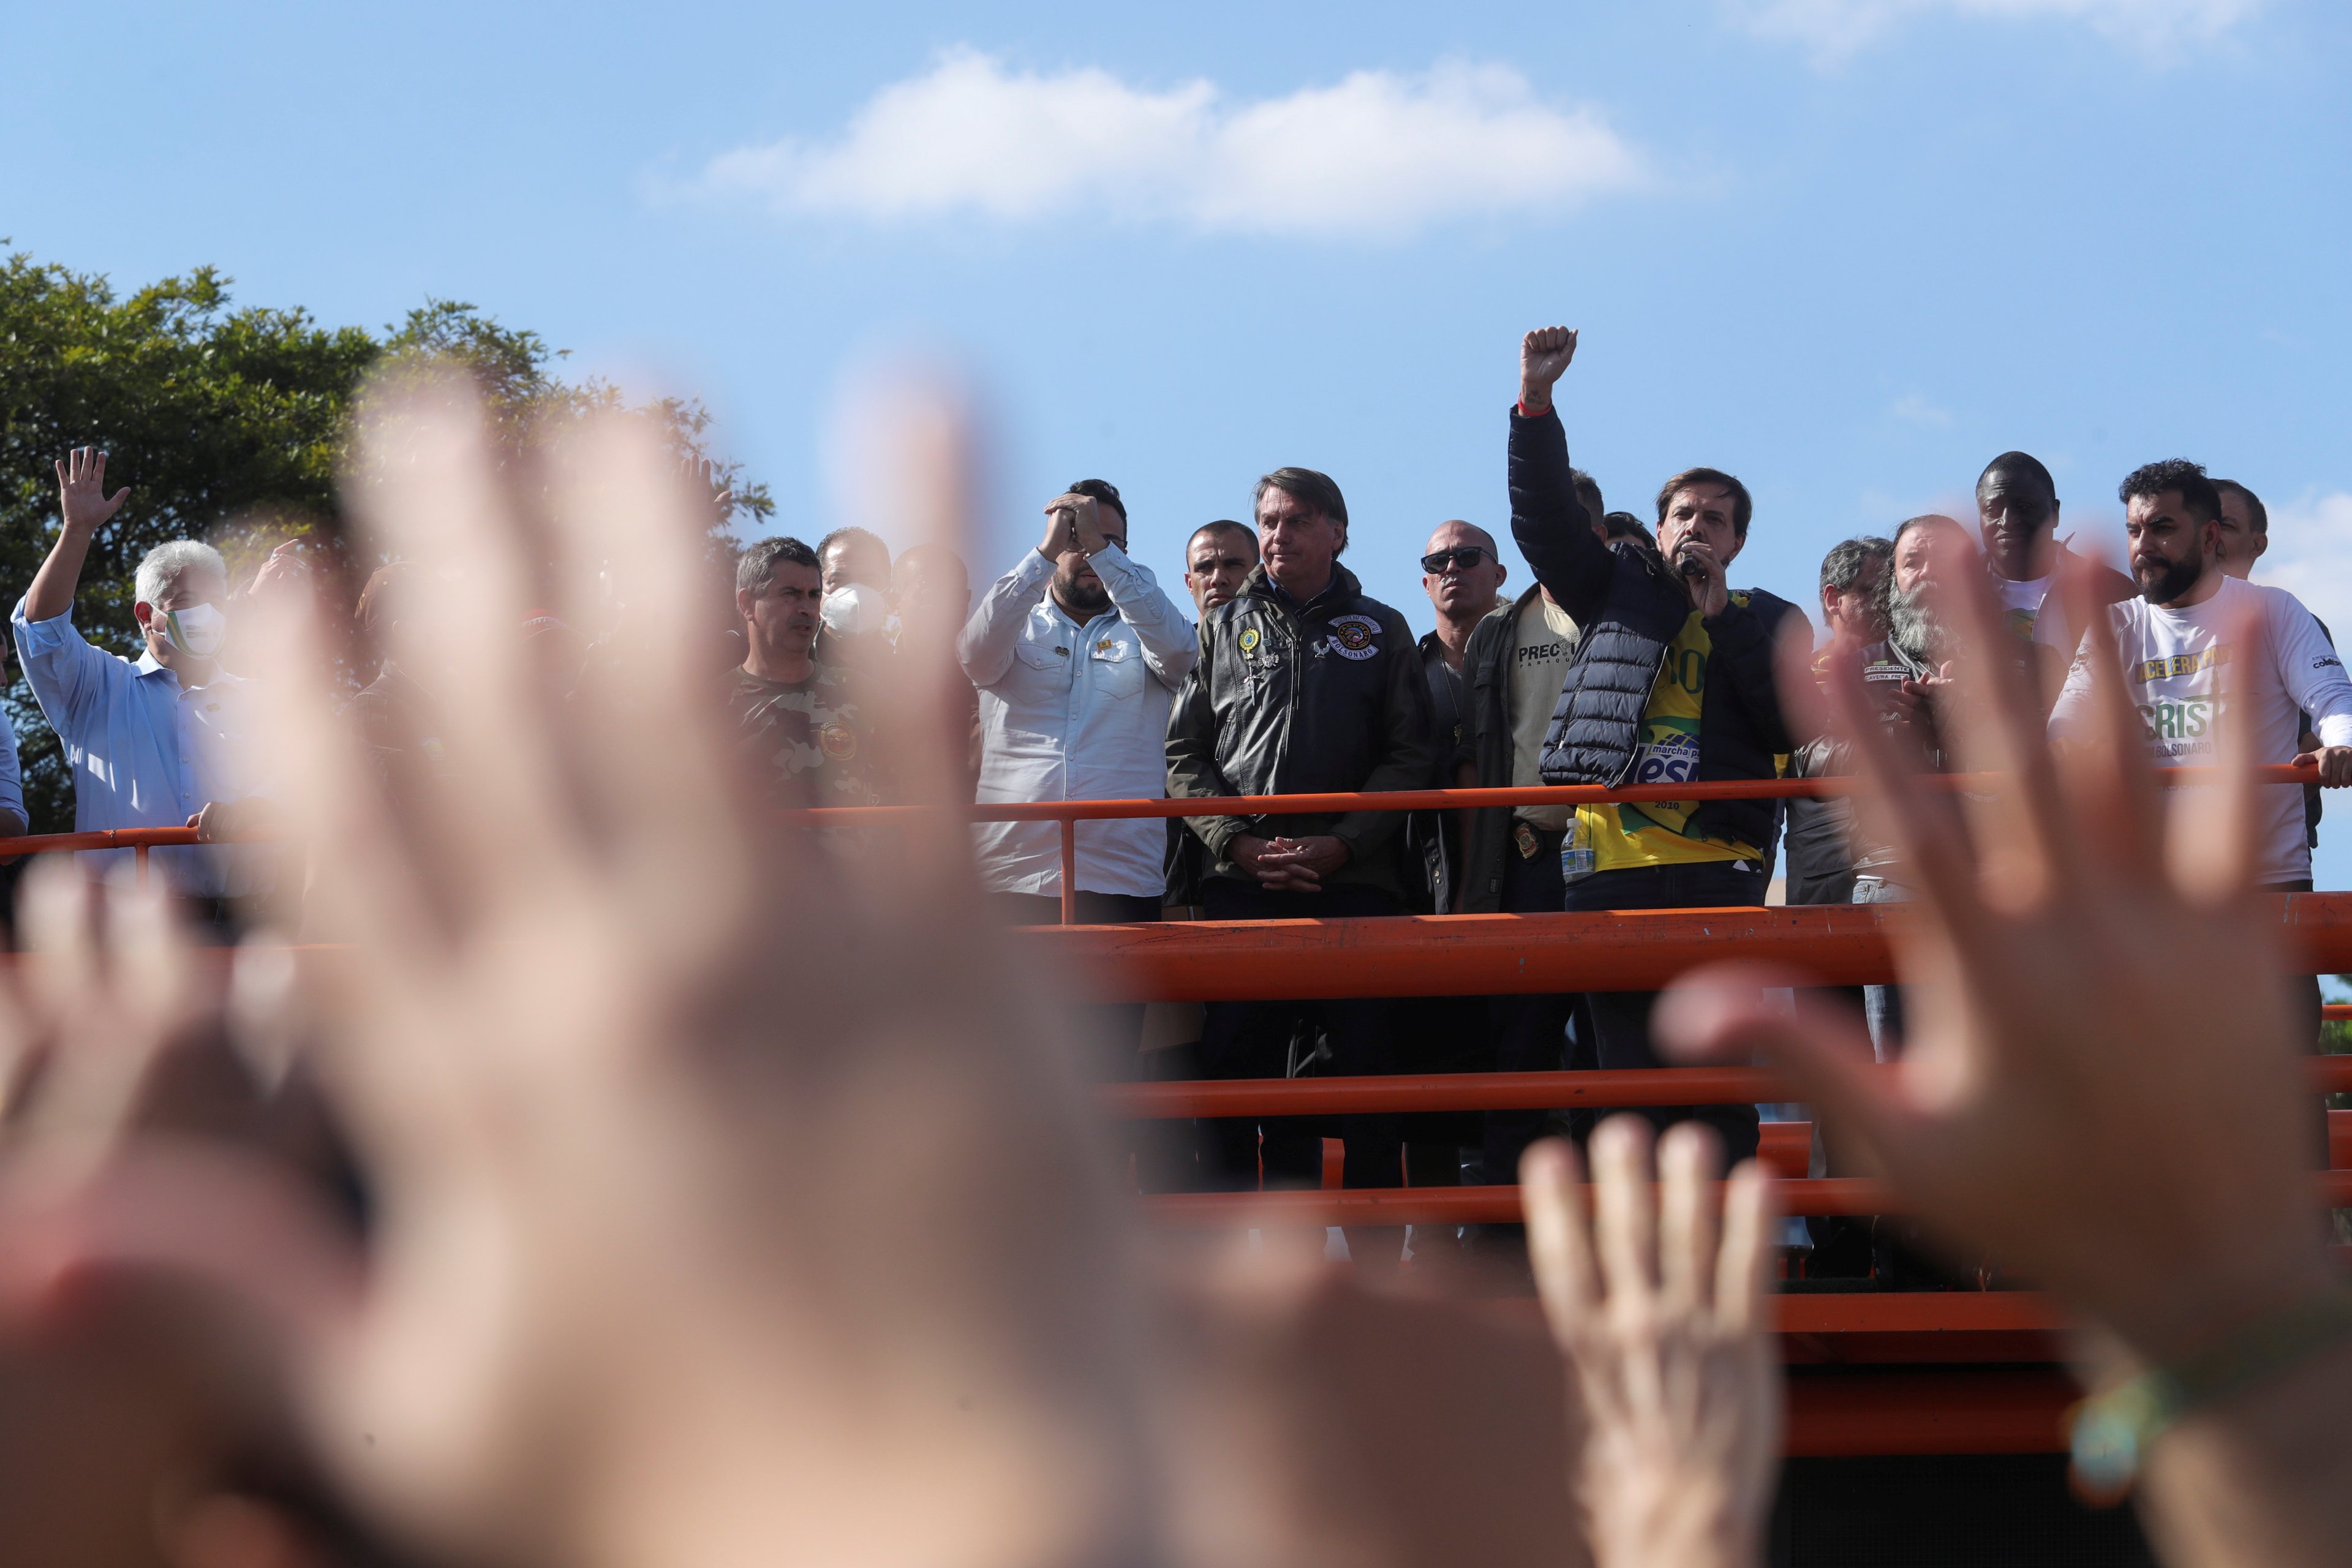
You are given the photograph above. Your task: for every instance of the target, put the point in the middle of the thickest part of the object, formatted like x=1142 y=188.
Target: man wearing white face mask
x=155 y=741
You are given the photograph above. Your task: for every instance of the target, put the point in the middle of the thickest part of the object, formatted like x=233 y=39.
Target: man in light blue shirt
x=12 y=784
x=156 y=742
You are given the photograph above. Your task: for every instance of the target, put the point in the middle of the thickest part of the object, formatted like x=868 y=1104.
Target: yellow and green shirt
x=1657 y=832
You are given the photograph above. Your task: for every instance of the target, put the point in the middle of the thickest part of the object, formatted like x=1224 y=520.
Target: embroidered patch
x=839 y=740
x=1351 y=635
x=1249 y=640
x=1104 y=646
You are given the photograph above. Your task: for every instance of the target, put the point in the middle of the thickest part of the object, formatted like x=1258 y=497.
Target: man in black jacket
x=1304 y=686
x=1672 y=682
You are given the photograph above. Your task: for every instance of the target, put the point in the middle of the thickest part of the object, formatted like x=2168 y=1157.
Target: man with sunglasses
x=1672 y=682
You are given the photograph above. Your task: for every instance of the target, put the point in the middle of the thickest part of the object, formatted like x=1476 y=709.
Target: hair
x=1925 y=519
x=756 y=569
x=2256 y=513
x=1625 y=525
x=1742 y=506
x=857 y=538
x=2197 y=491
x=380 y=600
x=1588 y=490
x=1842 y=567
x=1104 y=491
x=1221 y=525
x=2018 y=463
x=916 y=555
x=162 y=565
x=1309 y=489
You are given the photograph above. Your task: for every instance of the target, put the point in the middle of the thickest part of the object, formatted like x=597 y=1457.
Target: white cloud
x=1833 y=29
x=2311 y=556
x=1914 y=408
x=1377 y=153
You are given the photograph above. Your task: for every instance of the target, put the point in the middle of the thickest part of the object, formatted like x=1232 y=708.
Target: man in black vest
x=1671 y=682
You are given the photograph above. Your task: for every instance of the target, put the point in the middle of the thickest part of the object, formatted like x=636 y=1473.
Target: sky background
x=1846 y=248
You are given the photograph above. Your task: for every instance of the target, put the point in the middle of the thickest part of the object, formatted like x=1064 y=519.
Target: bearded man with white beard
x=150 y=742
x=1907 y=676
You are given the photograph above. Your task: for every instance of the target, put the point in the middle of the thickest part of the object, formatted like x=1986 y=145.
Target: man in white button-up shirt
x=1078 y=655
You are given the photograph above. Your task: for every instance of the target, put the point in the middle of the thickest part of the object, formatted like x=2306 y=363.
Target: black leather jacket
x=1302 y=699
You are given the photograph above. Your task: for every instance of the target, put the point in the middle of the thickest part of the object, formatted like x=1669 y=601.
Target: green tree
x=230 y=424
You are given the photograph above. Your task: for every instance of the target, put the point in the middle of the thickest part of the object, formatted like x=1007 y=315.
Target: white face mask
x=854 y=610
x=196 y=631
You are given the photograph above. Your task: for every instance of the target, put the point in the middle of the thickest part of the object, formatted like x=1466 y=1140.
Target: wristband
x=2111 y=1432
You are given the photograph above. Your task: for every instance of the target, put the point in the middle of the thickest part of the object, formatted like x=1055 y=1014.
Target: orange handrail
x=1494 y=1091
x=1459 y=955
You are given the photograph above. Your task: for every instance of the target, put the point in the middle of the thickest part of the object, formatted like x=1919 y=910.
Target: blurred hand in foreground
x=1668 y=1334
x=725 y=1209
x=2101 y=1088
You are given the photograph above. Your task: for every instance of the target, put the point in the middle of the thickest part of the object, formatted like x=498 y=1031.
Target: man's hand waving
x=1543 y=355
x=82 y=491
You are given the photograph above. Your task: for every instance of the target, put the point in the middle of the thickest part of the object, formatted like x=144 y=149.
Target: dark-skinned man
x=1304 y=686
x=2017 y=521
x=1672 y=680
x=2197 y=638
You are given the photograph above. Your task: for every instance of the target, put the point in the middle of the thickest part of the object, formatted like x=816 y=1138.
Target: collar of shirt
x=148 y=664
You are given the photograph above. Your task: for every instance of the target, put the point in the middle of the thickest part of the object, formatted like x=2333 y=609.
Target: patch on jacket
x=1249 y=640
x=1353 y=637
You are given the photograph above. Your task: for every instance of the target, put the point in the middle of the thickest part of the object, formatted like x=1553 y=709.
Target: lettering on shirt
x=2181 y=664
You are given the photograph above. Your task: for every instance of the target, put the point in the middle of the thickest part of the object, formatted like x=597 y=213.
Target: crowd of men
x=1629 y=658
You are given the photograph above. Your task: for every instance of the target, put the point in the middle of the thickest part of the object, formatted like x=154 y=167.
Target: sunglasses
x=1466 y=556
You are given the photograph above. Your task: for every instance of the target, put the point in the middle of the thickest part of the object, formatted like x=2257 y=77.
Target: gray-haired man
x=155 y=741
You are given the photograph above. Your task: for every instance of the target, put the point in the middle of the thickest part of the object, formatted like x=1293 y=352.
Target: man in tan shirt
x=1512 y=673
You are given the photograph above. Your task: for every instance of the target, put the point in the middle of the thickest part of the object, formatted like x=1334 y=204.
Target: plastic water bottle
x=1576 y=851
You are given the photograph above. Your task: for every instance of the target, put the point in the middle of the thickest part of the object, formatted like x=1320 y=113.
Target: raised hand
x=2071 y=1103
x=1667 y=1337
x=82 y=501
x=607 y=1037
x=1544 y=356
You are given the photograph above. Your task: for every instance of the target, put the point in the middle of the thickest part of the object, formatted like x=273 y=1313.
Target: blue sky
x=1846 y=248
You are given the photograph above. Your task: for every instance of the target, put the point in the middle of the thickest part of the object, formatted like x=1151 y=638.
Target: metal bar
x=1498 y=1091
x=1069 y=870
x=1501 y=1204
x=1470 y=955
x=1273 y=804
x=1471 y=799
x=1977 y=1411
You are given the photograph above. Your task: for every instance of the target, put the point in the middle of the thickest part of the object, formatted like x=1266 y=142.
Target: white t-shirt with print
x=2177 y=669
x=2033 y=613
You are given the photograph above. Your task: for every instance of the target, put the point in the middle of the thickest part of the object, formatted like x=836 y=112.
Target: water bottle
x=1576 y=850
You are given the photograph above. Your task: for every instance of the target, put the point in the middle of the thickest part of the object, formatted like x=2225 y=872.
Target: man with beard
x=2017 y=515
x=1077 y=653
x=2200 y=648
x=1906 y=675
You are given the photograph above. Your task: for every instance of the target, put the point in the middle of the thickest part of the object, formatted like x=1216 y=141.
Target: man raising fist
x=1672 y=682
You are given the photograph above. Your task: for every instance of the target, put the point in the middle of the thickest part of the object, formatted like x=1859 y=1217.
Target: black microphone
x=1690 y=566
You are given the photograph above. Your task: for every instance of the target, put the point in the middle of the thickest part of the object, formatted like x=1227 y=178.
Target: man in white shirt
x=158 y=742
x=1077 y=654
x=2017 y=512
x=2185 y=655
